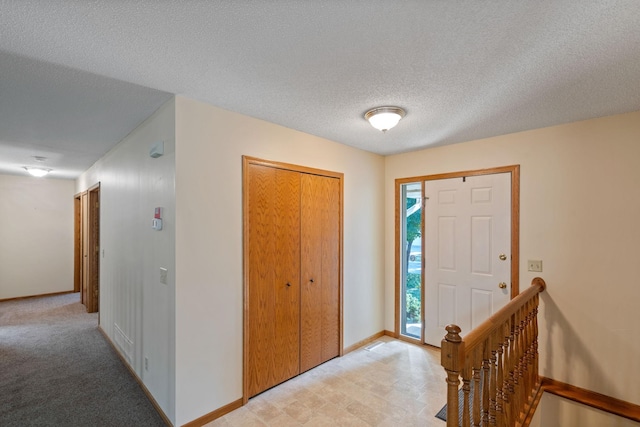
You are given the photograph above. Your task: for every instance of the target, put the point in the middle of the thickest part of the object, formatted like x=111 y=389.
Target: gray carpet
x=56 y=369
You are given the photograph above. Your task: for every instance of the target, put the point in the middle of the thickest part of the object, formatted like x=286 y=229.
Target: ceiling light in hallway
x=39 y=172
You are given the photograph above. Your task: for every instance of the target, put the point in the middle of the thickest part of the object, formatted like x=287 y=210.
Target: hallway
x=56 y=368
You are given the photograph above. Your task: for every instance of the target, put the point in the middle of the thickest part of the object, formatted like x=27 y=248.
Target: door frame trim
x=77 y=242
x=514 y=170
x=86 y=235
x=93 y=194
x=246 y=161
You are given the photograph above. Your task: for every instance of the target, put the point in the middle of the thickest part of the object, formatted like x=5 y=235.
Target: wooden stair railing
x=498 y=364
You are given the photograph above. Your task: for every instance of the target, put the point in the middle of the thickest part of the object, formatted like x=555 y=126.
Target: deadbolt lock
x=502 y=285
x=502 y=257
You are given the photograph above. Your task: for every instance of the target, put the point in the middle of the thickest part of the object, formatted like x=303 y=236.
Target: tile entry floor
x=394 y=384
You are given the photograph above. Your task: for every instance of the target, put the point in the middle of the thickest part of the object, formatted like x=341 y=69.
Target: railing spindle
x=477 y=363
x=484 y=419
x=535 y=334
x=493 y=383
x=466 y=389
x=512 y=368
x=500 y=379
x=506 y=398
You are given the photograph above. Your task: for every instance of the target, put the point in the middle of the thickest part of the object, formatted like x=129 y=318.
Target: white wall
x=36 y=236
x=210 y=143
x=580 y=211
x=136 y=311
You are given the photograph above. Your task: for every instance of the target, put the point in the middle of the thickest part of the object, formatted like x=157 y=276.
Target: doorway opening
x=452 y=244
x=87 y=247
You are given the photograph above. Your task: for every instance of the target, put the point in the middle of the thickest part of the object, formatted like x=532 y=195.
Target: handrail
x=477 y=335
x=498 y=360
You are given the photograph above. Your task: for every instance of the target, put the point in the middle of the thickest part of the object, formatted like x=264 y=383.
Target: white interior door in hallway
x=467 y=251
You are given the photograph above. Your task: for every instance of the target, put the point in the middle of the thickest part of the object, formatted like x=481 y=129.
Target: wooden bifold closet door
x=292 y=272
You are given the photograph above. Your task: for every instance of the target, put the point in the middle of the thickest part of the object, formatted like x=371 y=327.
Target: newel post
x=450 y=356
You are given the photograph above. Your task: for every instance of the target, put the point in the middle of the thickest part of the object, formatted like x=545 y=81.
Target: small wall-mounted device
x=157 y=219
x=157 y=149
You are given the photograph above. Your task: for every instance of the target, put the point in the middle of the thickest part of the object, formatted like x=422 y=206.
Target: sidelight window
x=411 y=260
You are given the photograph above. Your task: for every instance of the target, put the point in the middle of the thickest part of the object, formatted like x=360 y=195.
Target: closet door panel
x=287 y=275
x=274 y=277
x=330 y=268
x=261 y=274
x=311 y=269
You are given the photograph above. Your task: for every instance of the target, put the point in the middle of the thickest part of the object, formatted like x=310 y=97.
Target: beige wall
x=36 y=236
x=555 y=411
x=210 y=143
x=580 y=207
x=137 y=312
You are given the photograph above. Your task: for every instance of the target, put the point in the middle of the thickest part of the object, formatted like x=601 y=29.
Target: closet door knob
x=311 y=280
x=288 y=284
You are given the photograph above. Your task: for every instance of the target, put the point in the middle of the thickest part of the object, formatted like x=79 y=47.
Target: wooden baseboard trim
x=363 y=342
x=596 y=400
x=37 y=296
x=137 y=378
x=207 y=418
x=390 y=333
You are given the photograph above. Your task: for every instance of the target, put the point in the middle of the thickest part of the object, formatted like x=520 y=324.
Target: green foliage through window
x=413 y=281
x=413 y=308
x=412 y=285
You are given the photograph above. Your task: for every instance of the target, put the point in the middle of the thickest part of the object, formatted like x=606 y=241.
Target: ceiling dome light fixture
x=39 y=172
x=384 y=118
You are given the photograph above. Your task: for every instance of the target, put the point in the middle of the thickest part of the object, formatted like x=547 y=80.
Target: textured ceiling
x=461 y=69
x=70 y=117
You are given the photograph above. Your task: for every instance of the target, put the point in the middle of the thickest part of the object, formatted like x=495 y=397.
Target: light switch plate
x=534 y=265
x=163 y=275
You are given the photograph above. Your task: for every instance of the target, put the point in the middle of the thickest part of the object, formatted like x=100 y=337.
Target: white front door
x=467 y=251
